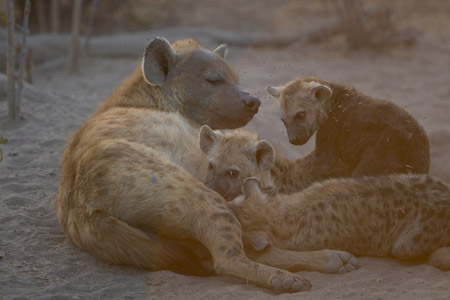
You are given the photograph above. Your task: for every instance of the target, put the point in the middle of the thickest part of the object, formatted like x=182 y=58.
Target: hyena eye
x=300 y=115
x=210 y=166
x=233 y=173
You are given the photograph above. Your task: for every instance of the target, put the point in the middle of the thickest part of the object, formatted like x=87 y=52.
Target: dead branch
x=23 y=54
x=73 y=48
x=10 y=66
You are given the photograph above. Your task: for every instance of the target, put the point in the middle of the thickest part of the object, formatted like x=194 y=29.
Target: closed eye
x=215 y=80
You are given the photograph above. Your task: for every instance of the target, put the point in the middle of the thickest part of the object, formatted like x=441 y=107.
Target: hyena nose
x=294 y=141
x=252 y=103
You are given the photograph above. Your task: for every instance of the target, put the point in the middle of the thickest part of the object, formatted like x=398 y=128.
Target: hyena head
x=303 y=106
x=198 y=83
x=234 y=156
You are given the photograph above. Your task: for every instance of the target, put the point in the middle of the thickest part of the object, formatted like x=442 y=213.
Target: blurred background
x=349 y=24
x=113 y=16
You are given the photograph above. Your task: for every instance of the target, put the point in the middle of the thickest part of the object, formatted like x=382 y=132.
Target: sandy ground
x=37 y=262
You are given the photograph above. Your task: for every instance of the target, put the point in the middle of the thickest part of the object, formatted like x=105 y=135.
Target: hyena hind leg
x=415 y=242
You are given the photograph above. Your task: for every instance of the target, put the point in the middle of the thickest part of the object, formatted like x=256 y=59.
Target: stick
x=73 y=49
x=10 y=59
x=23 y=54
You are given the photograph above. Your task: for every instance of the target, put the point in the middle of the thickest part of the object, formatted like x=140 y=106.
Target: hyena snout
x=251 y=102
x=297 y=135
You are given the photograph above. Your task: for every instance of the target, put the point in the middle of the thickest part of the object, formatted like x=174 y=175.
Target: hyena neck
x=136 y=92
x=342 y=97
x=291 y=176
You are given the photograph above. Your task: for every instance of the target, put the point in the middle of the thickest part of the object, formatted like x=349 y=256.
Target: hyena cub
x=371 y=136
x=256 y=158
x=406 y=216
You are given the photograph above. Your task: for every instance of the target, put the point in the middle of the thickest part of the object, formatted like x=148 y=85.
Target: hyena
x=406 y=216
x=402 y=215
x=255 y=158
x=371 y=136
x=131 y=190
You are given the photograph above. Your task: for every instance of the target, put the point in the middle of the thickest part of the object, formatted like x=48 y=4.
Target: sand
x=37 y=262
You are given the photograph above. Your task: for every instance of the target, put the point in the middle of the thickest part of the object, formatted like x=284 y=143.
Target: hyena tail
x=440 y=258
x=115 y=241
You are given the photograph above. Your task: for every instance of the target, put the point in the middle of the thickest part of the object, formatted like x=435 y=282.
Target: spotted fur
x=404 y=216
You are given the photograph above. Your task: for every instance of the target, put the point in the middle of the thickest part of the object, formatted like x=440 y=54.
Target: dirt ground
x=37 y=262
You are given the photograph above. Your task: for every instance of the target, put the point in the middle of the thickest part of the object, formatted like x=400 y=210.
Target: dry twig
x=23 y=55
x=10 y=66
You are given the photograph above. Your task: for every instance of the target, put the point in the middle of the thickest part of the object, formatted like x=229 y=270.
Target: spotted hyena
x=370 y=136
x=254 y=158
x=131 y=190
x=406 y=216
x=402 y=215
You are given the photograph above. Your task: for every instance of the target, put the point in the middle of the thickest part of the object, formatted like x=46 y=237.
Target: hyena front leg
x=165 y=199
x=209 y=221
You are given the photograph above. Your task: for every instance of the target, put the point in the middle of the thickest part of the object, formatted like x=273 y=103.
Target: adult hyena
x=131 y=188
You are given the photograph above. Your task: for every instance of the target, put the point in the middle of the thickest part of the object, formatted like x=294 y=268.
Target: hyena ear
x=159 y=58
x=274 y=91
x=321 y=92
x=221 y=50
x=264 y=155
x=208 y=138
x=252 y=188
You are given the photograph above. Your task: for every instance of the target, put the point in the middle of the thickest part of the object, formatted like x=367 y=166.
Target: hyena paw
x=341 y=262
x=290 y=283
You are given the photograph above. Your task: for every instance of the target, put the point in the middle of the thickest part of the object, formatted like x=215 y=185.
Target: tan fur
x=131 y=187
x=405 y=216
x=368 y=136
x=235 y=150
x=238 y=151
